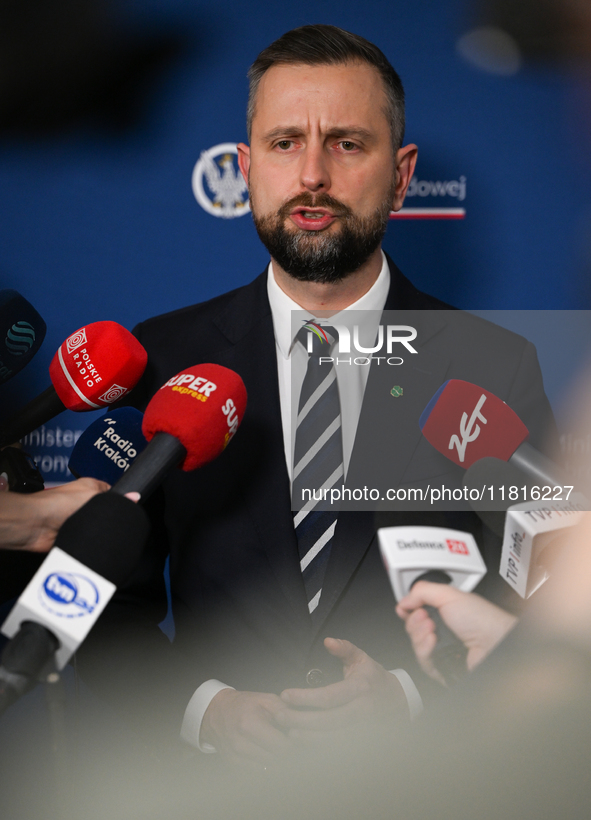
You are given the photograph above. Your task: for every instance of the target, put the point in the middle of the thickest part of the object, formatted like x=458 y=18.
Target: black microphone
x=22 y=331
x=96 y=551
x=449 y=655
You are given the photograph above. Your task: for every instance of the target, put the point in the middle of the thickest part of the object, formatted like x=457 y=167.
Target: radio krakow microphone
x=22 y=331
x=93 y=368
x=109 y=446
x=466 y=423
x=531 y=530
x=443 y=556
x=188 y=422
x=96 y=550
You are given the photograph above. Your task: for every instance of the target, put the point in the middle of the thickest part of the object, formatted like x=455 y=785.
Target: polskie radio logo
x=348 y=343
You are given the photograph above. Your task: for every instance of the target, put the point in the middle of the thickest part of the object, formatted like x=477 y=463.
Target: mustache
x=321 y=200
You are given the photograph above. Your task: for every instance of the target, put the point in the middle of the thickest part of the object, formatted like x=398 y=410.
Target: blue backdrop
x=101 y=222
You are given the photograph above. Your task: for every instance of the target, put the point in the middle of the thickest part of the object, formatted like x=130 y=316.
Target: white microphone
x=439 y=555
x=409 y=552
x=96 y=550
x=528 y=528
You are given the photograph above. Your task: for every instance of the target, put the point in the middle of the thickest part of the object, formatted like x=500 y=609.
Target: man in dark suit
x=325 y=166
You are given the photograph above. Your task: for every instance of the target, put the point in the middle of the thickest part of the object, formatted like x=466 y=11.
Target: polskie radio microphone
x=188 y=423
x=109 y=446
x=534 y=531
x=22 y=331
x=95 y=551
x=439 y=555
x=93 y=368
x=465 y=423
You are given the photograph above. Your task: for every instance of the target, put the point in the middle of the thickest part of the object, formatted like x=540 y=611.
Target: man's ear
x=243 y=159
x=406 y=159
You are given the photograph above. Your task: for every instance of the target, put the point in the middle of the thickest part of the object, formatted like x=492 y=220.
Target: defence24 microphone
x=96 y=550
x=22 y=331
x=93 y=368
x=109 y=446
x=532 y=531
x=466 y=423
x=439 y=555
x=188 y=422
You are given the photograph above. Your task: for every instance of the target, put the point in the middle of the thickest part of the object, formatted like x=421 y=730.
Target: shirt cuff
x=195 y=710
x=413 y=699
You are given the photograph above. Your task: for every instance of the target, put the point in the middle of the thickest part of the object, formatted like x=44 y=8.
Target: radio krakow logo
x=68 y=595
x=217 y=183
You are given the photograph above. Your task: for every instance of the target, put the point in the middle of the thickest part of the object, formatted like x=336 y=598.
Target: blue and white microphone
x=109 y=446
x=96 y=551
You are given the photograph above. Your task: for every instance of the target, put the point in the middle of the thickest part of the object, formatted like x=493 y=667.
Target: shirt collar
x=282 y=305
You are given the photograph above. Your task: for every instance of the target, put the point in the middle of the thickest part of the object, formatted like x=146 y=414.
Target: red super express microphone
x=466 y=423
x=188 y=422
x=93 y=368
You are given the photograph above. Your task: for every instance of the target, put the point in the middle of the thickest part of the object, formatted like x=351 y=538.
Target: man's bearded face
x=322 y=256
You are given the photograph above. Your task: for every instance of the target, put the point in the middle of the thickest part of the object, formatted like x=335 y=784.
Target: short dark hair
x=329 y=45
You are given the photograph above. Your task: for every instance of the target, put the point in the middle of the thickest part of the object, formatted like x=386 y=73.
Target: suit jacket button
x=314 y=677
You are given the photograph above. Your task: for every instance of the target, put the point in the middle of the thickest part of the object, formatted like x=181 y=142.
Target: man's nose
x=315 y=175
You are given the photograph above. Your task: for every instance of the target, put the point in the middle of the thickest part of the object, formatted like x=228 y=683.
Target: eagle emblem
x=225 y=192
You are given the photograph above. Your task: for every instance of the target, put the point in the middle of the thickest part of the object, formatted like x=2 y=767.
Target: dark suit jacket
x=237 y=592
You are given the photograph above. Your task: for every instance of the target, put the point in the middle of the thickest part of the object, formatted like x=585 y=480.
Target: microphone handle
x=41 y=409
x=23 y=660
x=449 y=655
x=162 y=454
x=536 y=465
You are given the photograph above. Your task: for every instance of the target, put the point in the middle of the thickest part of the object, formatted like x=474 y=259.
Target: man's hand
x=478 y=623
x=245 y=726
x=368 y=694
x=31 y=521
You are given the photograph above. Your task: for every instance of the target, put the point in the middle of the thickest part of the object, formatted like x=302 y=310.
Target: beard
x=322 y=256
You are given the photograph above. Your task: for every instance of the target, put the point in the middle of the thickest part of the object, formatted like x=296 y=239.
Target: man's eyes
x=345 y=145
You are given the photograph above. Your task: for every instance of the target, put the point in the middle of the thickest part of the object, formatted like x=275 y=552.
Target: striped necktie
x=318 y=458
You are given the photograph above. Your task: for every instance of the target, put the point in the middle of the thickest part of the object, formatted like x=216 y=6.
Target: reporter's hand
x=31 y=521
x=245 y=726
x=478 y=623
x=368 y=697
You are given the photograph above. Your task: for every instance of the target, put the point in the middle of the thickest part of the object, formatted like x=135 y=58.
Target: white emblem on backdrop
x=225 y=192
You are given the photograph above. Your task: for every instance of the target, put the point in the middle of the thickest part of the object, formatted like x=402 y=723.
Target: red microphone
x=466 y=423
x=188 y=423
x=94 y=367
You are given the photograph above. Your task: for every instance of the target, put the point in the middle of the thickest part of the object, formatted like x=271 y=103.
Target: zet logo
x=68 y=595
x=217 y=183
x=20 y=338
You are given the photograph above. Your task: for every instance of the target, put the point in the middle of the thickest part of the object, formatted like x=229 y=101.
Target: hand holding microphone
x=479 y=624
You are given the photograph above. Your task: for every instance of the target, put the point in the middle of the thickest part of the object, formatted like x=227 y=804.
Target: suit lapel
x=248 y=325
